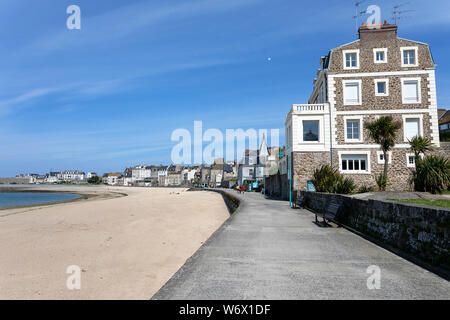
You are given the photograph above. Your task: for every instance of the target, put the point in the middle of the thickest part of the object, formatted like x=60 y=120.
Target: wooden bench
x=331 y=212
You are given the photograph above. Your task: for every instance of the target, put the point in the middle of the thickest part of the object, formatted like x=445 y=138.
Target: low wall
x=14 y=180
x=231 y=201
x=420 y=231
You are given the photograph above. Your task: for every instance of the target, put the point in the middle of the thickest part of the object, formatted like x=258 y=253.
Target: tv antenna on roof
x=358 y=13
x=397 y=13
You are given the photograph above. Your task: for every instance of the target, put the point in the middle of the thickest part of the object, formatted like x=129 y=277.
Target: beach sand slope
x=126 y=247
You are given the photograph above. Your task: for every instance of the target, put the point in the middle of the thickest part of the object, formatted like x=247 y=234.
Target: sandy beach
x=126 y=246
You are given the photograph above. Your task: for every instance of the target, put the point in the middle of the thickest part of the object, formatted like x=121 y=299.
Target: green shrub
x=381 y=182
x=366 y=189
x=329 y=180
x=344 y=186
x=94 y=180
x=432 y=174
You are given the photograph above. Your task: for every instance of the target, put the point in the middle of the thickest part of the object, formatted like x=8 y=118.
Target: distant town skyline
x=108 y=96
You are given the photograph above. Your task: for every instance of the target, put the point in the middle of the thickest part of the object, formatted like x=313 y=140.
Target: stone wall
x=420 y=231
x=303 y=166
x=366 y=119
x=444 y=150
x=277 y=186
x=394 y=56
x=14 y=180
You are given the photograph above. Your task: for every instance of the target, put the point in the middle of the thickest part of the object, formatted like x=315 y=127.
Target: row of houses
x=72 y=176
x=218 y=174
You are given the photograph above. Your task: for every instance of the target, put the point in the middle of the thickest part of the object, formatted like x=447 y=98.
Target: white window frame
x=382 y=161
x=419 y=90
x=344 y=59
x=416 y=55
x=344 y=83
x=375 y=51
x=321 y=130
x=413 y=116
x=355 y=153
x=414 y=156
x=377 y=94
x=360 y=118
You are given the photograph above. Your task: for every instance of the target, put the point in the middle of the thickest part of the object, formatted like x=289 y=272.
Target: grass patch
x=434 y=203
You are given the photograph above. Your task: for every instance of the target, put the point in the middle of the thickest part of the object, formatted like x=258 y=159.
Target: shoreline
x=83 y=195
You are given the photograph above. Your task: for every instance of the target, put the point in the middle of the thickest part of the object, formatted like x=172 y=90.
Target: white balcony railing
x=310 y=108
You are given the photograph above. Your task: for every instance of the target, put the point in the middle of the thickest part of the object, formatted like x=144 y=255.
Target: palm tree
x=383 y=131
x=420 y=145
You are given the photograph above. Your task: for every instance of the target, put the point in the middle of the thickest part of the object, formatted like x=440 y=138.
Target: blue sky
x=109 y=95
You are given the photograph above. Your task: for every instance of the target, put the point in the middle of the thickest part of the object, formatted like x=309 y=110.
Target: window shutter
x=411 y=91
x=411 y=128
x=351 y=92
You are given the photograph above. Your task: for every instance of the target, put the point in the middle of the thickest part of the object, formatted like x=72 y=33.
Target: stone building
x=380 y=74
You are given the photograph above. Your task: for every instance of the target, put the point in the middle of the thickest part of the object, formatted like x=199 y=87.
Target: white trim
x=382 y=74
x=416 y=116
x=344 y=58
x=419 y=90
x=375 y=51
x=408 y=165
x=368 y=146
x=377 y=94
x=381 y=153
x=356 y=153
x=416 y=56
x=344 y=83
x=346 y=44
x=392 y=111
x=414 y=156
x=321 y=129
x=413 y=41
x=360 y=118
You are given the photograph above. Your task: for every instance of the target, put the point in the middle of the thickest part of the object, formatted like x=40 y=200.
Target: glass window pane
x=349 y=133
x=380 y=56
x=310 y=130
x=412 y=58
x=344 y=164
x=381 y=87
x=352 y=129
x=350 y=164
x=356 y=164
x=363 y=165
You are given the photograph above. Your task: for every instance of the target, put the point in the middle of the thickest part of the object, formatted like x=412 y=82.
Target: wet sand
x=126 y=246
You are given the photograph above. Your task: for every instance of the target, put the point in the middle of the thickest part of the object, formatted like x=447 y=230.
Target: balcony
x=310 y=109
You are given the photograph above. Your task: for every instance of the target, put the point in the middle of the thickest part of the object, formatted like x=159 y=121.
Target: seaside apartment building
x=380 y=74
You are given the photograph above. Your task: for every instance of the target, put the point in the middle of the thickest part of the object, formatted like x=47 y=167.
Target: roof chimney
x=380 y=32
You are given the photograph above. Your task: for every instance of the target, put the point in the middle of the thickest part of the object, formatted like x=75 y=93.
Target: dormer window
x=409 y=56
x=351 y=59
x=380 y=55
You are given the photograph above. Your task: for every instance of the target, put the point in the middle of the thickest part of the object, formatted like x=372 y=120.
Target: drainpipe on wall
x=290 y=181
x=329 y=111
x=331 y=138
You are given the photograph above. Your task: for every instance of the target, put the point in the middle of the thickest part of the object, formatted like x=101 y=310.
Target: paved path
x=269 y=251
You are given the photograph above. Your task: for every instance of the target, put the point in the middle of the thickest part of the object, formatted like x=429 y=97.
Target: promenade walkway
x=269 y=251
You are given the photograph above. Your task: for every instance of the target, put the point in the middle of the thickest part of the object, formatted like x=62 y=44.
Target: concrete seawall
x=231 y=201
